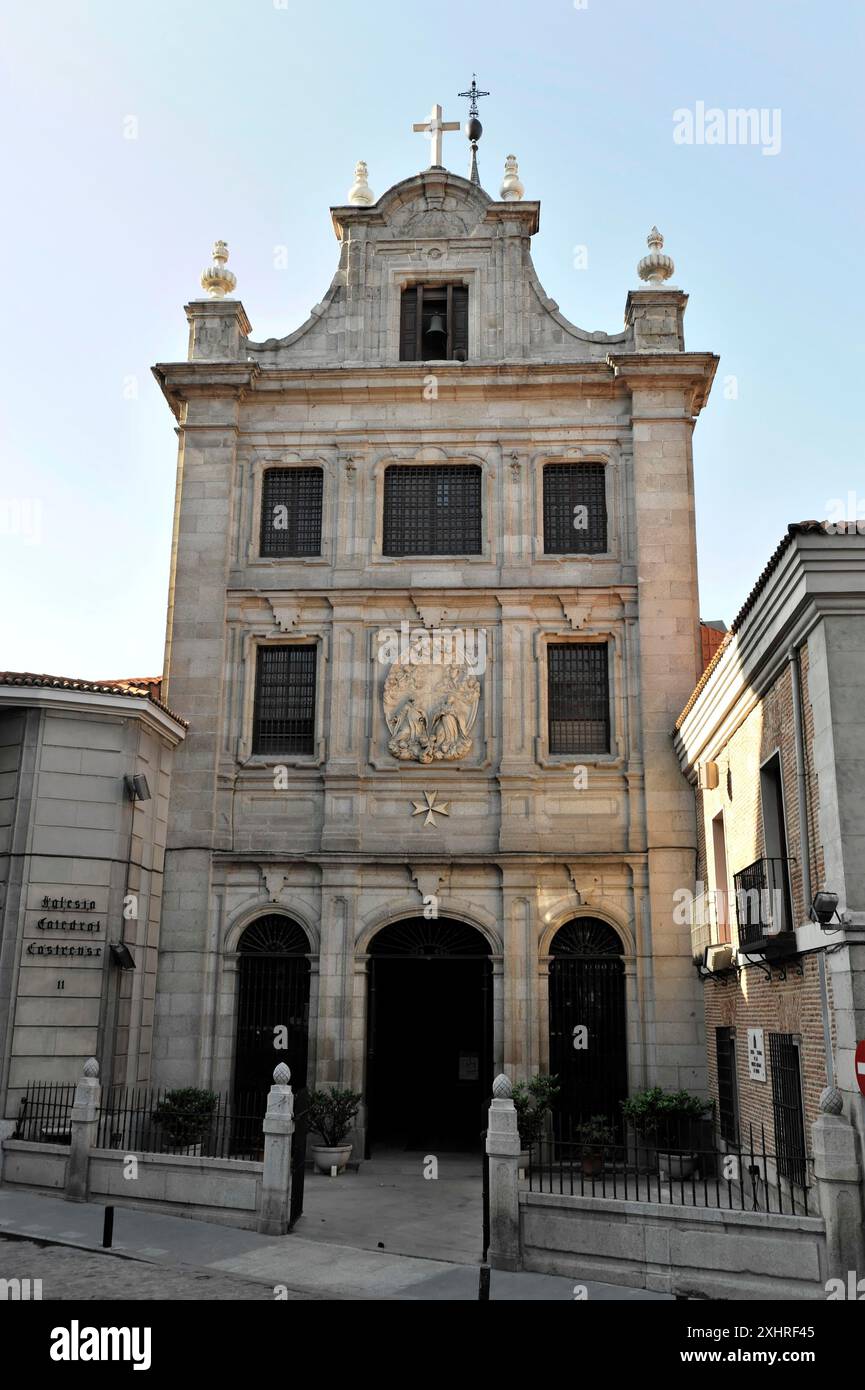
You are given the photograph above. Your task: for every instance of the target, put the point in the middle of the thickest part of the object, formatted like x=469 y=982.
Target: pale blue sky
x=250 y=117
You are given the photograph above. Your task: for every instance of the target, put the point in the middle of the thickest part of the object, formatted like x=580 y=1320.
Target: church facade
x=433 y=614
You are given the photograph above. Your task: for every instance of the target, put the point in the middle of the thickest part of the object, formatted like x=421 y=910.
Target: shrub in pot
x=533 y=1101
x=594 y=1135
x=331 y=1116
x=185 y=1116
x=671 y=1123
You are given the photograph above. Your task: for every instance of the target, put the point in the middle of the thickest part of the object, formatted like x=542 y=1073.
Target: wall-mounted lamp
x=121 y=955
x=824 y=906
x=136 y=786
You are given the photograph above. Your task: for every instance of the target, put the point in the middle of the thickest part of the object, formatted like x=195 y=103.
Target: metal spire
x=473 y=128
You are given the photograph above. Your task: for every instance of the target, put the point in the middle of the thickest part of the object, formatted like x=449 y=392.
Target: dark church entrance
x=429 y=1036
x=272 y=1014
x=587 y=989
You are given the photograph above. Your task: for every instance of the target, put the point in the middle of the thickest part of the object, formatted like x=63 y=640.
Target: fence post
x=278 y=1127
x=838 y=1176
x=503 y=1148
x=84 y=1120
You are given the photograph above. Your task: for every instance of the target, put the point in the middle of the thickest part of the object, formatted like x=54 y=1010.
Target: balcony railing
x=763 y=906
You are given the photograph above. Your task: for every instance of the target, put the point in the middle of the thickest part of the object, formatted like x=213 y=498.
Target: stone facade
x=74 y=852
x=802 y=629
x=336 y=846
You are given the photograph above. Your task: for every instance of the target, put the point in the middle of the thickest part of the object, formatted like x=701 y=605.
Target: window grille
x=284 y=717
x=432 y=510
x=291 y=502
x=567 y=488
x=578 y=698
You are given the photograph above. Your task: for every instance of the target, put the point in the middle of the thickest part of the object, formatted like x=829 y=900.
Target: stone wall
x=678 y=1250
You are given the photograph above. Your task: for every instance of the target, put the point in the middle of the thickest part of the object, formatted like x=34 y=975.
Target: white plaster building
x=436 y=446
x=81 y=862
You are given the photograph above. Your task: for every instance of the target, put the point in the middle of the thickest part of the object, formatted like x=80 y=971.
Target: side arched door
x=587 y=990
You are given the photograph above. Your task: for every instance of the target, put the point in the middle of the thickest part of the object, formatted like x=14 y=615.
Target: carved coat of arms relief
x=430 y=708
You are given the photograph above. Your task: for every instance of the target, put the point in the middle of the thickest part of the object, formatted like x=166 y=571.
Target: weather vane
x=473 y=128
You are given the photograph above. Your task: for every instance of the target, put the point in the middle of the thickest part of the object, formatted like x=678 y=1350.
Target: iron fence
x=141 y=1119
x=651 y=1168
x=45 y=1113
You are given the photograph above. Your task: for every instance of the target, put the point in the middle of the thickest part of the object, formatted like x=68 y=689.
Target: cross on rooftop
x=473 y=93
x=434 y=127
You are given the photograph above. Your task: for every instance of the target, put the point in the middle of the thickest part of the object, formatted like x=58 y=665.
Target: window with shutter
x=284 y=716
x=291 y=502
x=578 y=697
x=432 y=510
x=575 y=509
x=434 y=323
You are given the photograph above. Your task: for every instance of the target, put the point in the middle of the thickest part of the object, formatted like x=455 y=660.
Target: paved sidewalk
x=313 y=1267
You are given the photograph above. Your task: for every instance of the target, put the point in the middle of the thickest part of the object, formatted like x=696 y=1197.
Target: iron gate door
x=587 y=989
x=273 y=994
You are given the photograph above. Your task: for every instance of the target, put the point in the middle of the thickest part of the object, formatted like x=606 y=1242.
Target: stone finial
x=216 y=278
x=502 y=1088
x=512 y=189
x=360 y=192
x=91 y=1067
x=281 y=1074
x=831 y=1101
x=656 y=267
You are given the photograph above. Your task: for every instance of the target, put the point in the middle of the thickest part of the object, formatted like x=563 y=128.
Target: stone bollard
x=503 y=1150
x=85 y=1121
x=834 y=1145
x=278 y=1127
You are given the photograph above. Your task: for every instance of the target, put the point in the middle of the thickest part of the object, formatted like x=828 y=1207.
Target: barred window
x=788 y=1111
x=728 y=1101
x=578 y=697
x=284 y=718
x=291 y=501
x=432 y=510
x=575 y=509
x=434 y=323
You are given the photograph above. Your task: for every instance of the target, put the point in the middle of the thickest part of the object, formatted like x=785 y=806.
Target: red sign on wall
x=859 y=1065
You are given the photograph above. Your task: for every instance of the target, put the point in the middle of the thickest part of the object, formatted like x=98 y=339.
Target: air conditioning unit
x=719 y=957
x=707 y=776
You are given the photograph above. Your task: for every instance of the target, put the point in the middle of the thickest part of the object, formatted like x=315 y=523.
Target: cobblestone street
x=67 y=1273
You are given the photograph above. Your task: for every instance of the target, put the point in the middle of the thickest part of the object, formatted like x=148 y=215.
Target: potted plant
x=671 y=1124
x=532 y=1101
x=185 y=1116
x=331 y=1115
x=594 y=1136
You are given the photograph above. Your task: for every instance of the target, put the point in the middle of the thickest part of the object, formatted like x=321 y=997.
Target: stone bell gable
x=437 y=228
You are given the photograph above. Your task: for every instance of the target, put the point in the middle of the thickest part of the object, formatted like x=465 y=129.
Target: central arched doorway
x=429 y=1036
x=587 y=989
x=272 y=1009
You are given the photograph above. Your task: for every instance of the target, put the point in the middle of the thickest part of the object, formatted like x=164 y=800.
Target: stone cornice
x=179 y=381
x=359 y=382
x=693 y=370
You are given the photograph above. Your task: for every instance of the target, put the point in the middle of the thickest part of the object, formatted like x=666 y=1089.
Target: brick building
x=771 y=738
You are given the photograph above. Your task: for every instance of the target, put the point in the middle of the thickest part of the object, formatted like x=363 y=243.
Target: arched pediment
x=435 y=227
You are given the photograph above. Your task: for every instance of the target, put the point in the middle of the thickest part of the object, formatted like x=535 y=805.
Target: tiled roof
x=144 y=688
x=796 y=528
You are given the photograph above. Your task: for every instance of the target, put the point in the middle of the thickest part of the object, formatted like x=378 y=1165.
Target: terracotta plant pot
x=325 y=1159
x=593 y=1165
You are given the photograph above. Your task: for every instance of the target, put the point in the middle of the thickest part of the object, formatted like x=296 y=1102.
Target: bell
x=437 y=327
